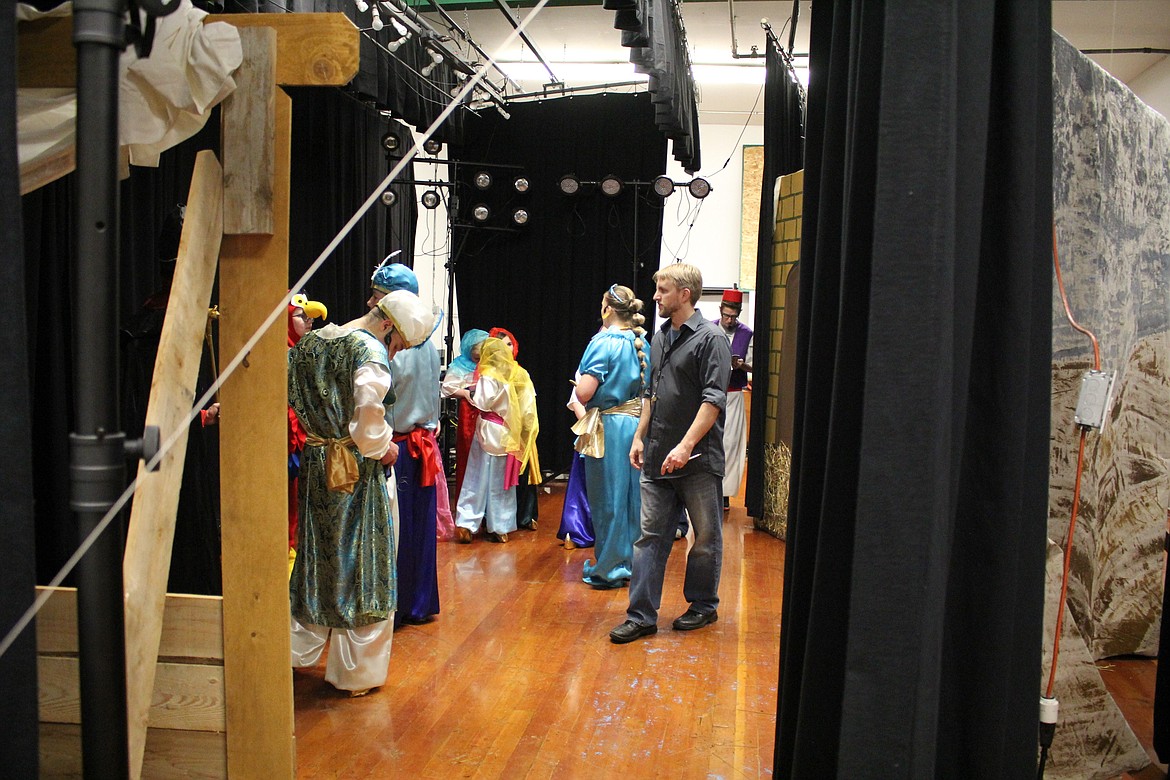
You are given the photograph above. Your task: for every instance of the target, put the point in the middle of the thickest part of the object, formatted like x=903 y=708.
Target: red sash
x=420 y=443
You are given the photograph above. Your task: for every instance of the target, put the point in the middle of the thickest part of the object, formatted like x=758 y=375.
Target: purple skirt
x=576 y=519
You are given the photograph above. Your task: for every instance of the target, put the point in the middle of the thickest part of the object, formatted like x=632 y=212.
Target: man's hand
x=391 y=455
x=677 y=458
x=211 y=414
x=636 y=453
x=736 y=362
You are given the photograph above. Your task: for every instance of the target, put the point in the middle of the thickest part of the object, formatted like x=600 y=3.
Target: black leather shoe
x=629 y=631
x=692 y=619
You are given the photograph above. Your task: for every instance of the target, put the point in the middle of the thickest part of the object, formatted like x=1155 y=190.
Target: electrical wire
x=1047 y=729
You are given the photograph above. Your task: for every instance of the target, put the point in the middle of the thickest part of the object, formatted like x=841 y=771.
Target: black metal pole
x=98 y=459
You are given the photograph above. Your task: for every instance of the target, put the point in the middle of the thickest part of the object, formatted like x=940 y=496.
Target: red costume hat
x=733 y=298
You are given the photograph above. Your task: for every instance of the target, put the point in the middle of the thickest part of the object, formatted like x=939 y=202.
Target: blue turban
x=466 y=344
x=394 y=276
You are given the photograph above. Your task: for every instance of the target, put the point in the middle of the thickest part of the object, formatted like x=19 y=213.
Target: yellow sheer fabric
x=496 y=362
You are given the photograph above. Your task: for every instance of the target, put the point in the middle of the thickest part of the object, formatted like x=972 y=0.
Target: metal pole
x=97 y=460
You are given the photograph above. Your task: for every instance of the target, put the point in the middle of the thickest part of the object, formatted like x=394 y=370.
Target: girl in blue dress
x=613 y=371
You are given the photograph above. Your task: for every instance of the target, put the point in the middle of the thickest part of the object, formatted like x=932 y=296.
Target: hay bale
x=777 y=472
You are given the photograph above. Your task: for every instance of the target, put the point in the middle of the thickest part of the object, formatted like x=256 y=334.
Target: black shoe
x=693 y=618
x=726 y=503
x=629 y=631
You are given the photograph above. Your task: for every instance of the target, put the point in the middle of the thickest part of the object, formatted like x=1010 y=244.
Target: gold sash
x=591 y=433
x=341 y=468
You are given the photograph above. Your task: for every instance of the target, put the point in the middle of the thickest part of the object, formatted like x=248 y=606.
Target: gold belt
x=341 y=469
x=591 y=433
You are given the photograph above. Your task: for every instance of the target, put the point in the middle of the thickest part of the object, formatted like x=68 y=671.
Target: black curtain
x=18 y=666
x=544 y=282
x=337 y=161
x=914 y=570
x=783 y=154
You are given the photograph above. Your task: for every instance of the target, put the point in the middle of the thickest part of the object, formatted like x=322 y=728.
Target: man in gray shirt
x=679 y=448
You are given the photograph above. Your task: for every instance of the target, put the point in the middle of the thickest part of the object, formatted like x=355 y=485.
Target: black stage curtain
x=783 y=154
x=544 y=282
x=18 y=666
x=337 y=161
x=653 y=30
x=914 y=571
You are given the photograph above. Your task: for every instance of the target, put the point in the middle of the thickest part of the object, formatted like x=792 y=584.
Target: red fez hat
x=733 y=298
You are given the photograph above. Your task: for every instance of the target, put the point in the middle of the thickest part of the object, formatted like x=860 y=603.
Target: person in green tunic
x=342 y=588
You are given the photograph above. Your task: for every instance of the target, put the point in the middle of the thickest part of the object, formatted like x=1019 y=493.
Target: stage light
x=376 y=20
x=611 y=186
x=362 y=6
x=390 y=142
x=426 y=70
x=402 y=31
x=389 y=197
x=394 y=46
x=520 y=216
x=569 y=184
x=481 y=213
x=520 y=184
x=483 y=180
x=663 y=186
x=699 y=188
x=430 y=199
x=431 y=146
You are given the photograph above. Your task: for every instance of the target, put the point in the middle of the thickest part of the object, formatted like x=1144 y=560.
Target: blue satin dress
x=611 y=482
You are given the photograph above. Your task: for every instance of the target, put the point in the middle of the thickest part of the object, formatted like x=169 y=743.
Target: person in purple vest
x=735 y=423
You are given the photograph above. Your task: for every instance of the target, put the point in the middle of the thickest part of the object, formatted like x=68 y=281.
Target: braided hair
x=629 y=309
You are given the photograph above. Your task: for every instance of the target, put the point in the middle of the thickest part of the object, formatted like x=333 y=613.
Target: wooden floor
x=517 y=677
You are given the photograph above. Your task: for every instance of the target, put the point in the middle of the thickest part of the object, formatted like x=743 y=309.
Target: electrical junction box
x=1093 y=404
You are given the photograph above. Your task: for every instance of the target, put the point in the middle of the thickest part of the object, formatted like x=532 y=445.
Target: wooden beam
x=42 y=171
x=185 y=696
x=169 y=753
x=313 y=50
x=247 y=121
x=253 y=489
x=192 y=626
x=45 y=53
x=151 y=532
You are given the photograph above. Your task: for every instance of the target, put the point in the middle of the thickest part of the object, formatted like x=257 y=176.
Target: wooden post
x=253 y=452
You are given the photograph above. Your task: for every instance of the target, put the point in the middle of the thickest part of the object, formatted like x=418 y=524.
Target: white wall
x=1153 y=87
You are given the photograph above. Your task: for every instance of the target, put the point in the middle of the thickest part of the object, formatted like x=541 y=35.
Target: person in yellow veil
x=504 y=444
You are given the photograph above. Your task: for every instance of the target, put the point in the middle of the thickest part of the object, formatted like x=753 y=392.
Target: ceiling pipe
x=466 y=36
x=507 y=12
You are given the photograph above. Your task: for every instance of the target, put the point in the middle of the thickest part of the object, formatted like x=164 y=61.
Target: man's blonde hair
x=683 y=275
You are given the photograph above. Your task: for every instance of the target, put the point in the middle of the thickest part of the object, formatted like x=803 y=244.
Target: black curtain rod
x=1139 y=50
x=559 y=89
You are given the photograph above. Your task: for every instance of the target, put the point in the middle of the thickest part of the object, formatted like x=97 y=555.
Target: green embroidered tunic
x=344 y=574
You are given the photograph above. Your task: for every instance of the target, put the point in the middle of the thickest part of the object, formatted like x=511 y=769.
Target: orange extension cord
x=1072 y=523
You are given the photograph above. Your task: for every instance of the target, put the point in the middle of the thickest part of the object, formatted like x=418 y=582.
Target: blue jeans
x=662 y=500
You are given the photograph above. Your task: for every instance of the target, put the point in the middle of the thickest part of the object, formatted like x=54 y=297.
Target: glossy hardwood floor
x=517 y=677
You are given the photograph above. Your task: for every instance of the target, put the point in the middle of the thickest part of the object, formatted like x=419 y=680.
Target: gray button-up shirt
x=691 y=371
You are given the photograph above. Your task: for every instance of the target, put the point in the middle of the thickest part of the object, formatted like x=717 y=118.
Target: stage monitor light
x=481 y=213
x=699 y=188
x=431 y=146
x=390 y=142
x=389 y=197
x=569 y=184
x=663 y=186
x=520 y=184
x=483 y=180
x=520 y=216
x=430 y=199
x=611 y=186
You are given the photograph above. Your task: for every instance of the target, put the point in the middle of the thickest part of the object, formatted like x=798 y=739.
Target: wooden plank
x=313 y=49
x=185 y=696
x=247 y=122
x=192 y=626
x=46 y=56
x=169 y=753
x=47 y=169
x=152 y=519
x=253 y=484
